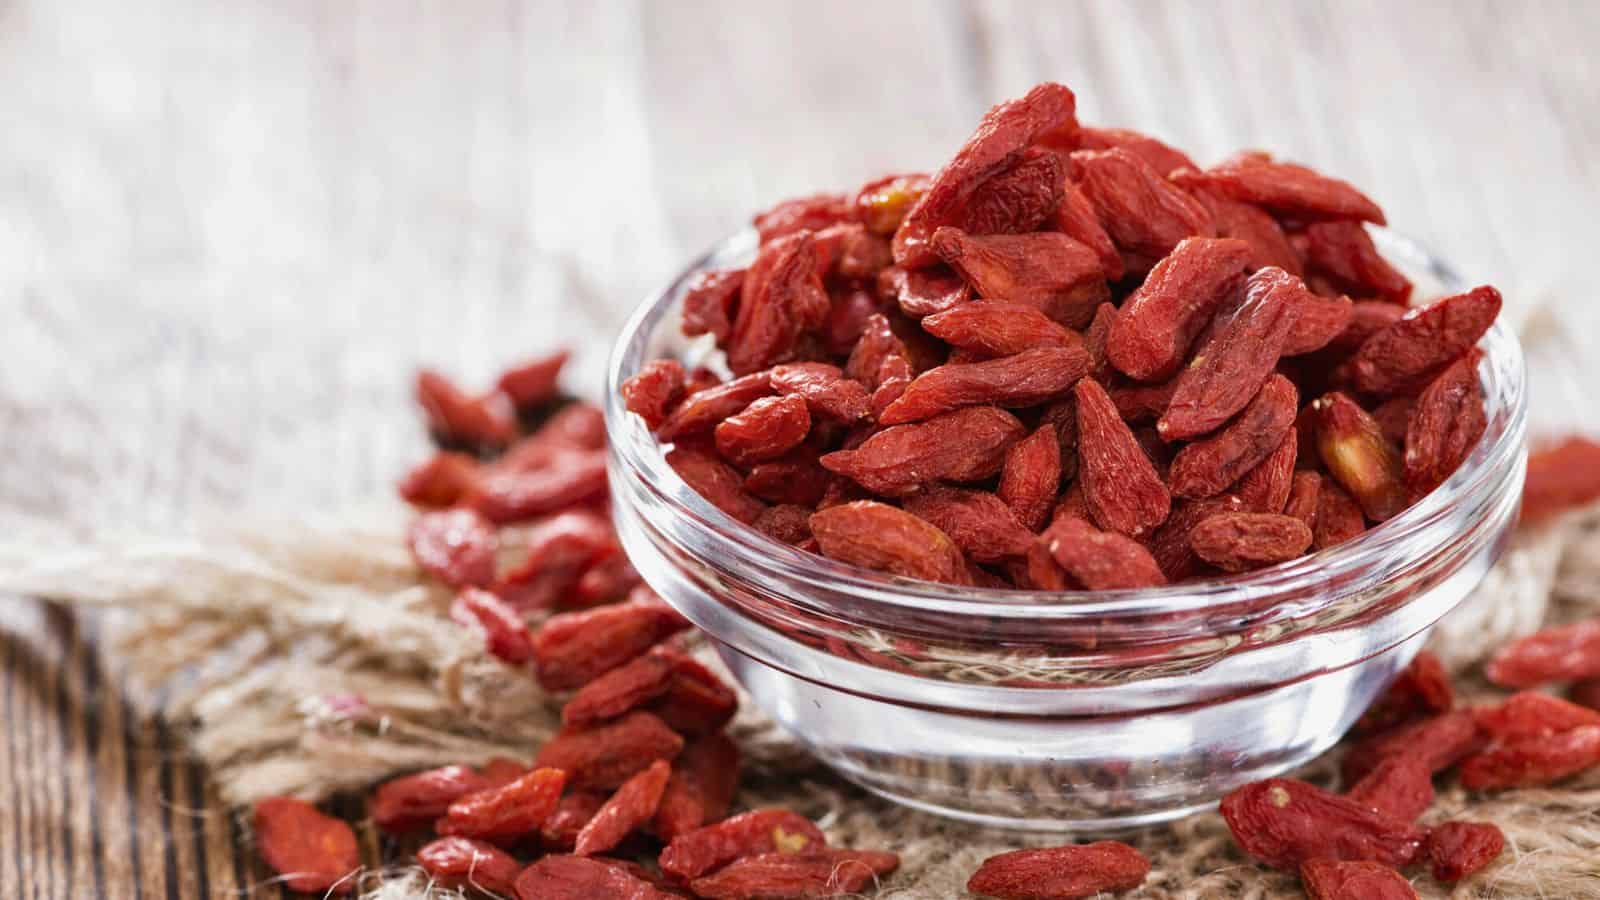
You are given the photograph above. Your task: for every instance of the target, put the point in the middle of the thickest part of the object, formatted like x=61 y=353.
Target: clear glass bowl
x=1065 y=711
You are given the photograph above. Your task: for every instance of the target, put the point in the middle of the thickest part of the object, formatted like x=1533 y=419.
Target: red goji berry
x=582 y=878
x=314 y=853
x=458 y=419
x=825 y=389
x=761 y=831
x=1304 y=492
x=504 y=633
x=1317 y=322
x=781 y=299
x=766 y=429
x=1045 y=269
x=719 y=483
x=1207 y=467
x=1100 y=560
x=1076 y=219
x=1161 y=318
x=1287 y=189
x=710 y=303
x=457 y=546
x=1146 y=215
x=1161 y=157
x=696 y=701
x=631 y=806
x=1358 y=456
x=1421 y=688
x=1283 y=823
x=624 y=688
x=1407 y=353
x=572 y=478
x=1026 y=379
x=652 y=393
x=822 y=873
x=606 y=755
x=1061 y=873
x=505 y=813
x=572 y=649
x=1400 y=787
x=878 y=536
x=576 y=808
x=410 y=801
x=1332 y=879
x=1531 y=714
x=1458 y=849
x=1120 y=485
x=458 y=862
x=534 y=383
x=812 y=213
x=1031 y=478
x=1343 y=253
x=998 y=328
x=1242 y=541
x=1266 y=488
x=704 y=778
x=1018 y=198
x=441 y=481
x=968 y=444
x=1269 y=246
x=980 y=523
x=1170 y=543
x=1533 y=761
x=1561 y=477
x=1339 y=517
x=1441 y=741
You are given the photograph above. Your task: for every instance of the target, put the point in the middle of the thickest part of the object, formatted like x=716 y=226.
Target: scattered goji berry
x=1287 y=189
x=631 y=806
x=1044 y=269
x=505 y=813
x=1161 y=318
x=1343 y=253
x=572 y=478
x=1458 y=849
x=1561 y=477
x=314 y=853
x=1026 y=379
x=576 y=808
x=1533 y=761
x=458 y=862
x=1208 y=466
x=442 y=481
x=456 y=419
x=410 y=801
x=696 y=701
x=572 y=649
x=1100 y=560
x=1421 y=688
x=534 y=383
x=821 y=873
x=1061 y=873
x=457 y=546
x=968 y=444
x=1406 y=354
x=624 y=688
x=878 y=536
x=583 y=878
x=1441 y=741
x=1229 y=369
x=1564 y=653
x=762 y=831
x=504 y=633
x=1332 y=879
x=1283 y=823
x=704 y=778
x=1400 y=787
x=1530 y=714
x=606 y=755
x=1120 y=485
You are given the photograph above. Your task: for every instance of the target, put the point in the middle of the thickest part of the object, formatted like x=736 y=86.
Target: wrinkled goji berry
x=1530 y=714
x=1561 y=477
x=314 y=853
x=572 y=478
x=1242 y=541
x=411 y=801
x=1061 y=873
x=782 y=298
x=812 y=213
x=458 y=862
x=766 y=429
x=1145 y=214
x=631 y=806
x=1414 y=348
x=822 y=873
x=505 y=813
x=825 y=390
x=1161 y=157
x=1458 y=849
x=583 y=878
x=878 y=536
x=704 y=778
x=1304 y=493
x=456 y=419
x=1016 y=199
x=1076 y=219
x=1400 y=787
x=1269 y=246
x=456 y=546
x=1031 y=477
x=754 y=833
x=1170 y=543
x=1343 y=253
x=1421 y=688
x=1283 y=823
x=1332 y=879
x=1266 y=487
x=652 y=393
x=710 y=303
x=998 y=328
x=1358 y=456
x=1339 y=517
x=1441 y=741
x=1533 y=761
x=1208 y=466
x=560 y=830
x=442 y=481
x=1100 y=560
x=696 y=701
x=1445 y=424
x=606 y=755
x=980 y=523
x=1044 y=269
x=1026 y=379
x=534 y=383
x=624 y=688
x=1317 y=322
x=505 y=635
x=967 y=444
x=1287 y=189
x=719 y=483
x=1120 y=485
x=572 y=649
x=1161 y=318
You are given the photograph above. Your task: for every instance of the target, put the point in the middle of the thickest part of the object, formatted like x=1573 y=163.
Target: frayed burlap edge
x=311 y=660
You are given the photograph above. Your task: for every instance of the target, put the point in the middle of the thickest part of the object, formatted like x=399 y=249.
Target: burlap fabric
x=315 y=659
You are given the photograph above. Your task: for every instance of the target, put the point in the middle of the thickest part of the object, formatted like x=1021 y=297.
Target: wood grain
x=230 y=231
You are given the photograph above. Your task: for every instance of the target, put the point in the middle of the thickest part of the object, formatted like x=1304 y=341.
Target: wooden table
x=230 y=231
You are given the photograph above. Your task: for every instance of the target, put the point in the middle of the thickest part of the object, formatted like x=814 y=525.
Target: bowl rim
x=1410 y=535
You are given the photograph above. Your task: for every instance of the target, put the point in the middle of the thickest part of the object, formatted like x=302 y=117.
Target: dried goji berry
x=455 y=418
x=534 y=383
x=850 y=251
x=696 y=702
x=1100 y=560
x=785 y=523
x=1441 y=741
x=1394 y=418
x=604 y=756
x=1160 y=319
x=782 y=297
x=812 y=213
x=1421 y=688
x=1284 y=822
x=1304 y=493
x=572 y=478
x=704 y=778
x=754 y=833
x=1358 y=456
x=998 y=328
x=715 y=480
x=1142 y=402
x=877 y=536
x=1038 y=571
x=923 y=292
x=1413 y=349
x=441 y=481
x=967 y=444
x=1207 y=467
x=1018 y=198
x=703 y=409
x=1332 y=879
x=1458 y=849
x=314 y=853
x=877 y=345
x=1031 y=477
x=980 y=523
x=1561 y=477
x=457 y=546
x=1317 y=322
x=820 y=873
x=560 y=830
x=1076 y=219
x=1229 y=369
x=1161 y=157
x=1287 y=189
x=1400 y=787
x=504 y=634
x=652 y=392
x=1045 y=269
x=1269 y=246
x=1120 y=485
x=1367 y=318
x=1343 y=253
x=582 y=878
x=882 y=203
x=1339 y=517
x=1061 y=873
x=796 y=479
x=1533 y=761
x=631 y=806
x=572 y=649
x=1005 y=132
x=1026 y=379
x=711 y=301
x=458 y=862
x=1145 y=214
x=561 y=550
x=766 y=429
x=401 y=804
x=1170 y=543
x=1240 y=542
x=825 y=390
x=1530 y=714
x=1445 y=425
x=626 y=687
x=1266 y=487
x=505 y=813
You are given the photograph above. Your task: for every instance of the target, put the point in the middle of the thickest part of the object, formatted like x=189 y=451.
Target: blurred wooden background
x=228 y=231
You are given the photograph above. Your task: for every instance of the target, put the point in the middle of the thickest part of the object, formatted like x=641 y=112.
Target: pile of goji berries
x=641 y=760
x=1072 y=358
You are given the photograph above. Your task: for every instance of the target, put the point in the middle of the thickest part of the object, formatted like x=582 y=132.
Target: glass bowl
x=1062 y=711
